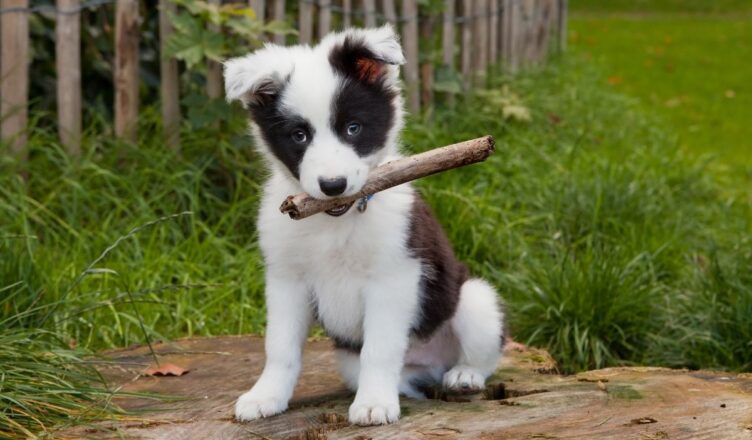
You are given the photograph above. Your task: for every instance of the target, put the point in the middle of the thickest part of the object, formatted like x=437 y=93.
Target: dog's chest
x=341 y=259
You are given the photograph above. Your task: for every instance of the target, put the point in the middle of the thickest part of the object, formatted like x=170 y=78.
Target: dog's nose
x=333 y=186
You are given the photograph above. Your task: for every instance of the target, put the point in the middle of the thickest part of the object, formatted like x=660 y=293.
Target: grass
x=691 y=69
x=609 y=244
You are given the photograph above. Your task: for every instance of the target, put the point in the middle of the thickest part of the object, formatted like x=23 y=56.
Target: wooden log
x=526 y=398
x=279 y=15
x=325 y=17
x=410 y=44
x=396 y=173
x=126 y=69
x=68 y=64
x=259 y=7
x=467 y=43
x=169 y=82
x=369 y=9
x=390 y=11
x=346 y=13
x=305 y=22
x=14 y=83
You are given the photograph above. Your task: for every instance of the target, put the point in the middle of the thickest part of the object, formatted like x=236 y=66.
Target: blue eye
x=299 y=136
x=353 y=128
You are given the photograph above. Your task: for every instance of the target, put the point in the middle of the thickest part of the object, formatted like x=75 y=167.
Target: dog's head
x=325 y=115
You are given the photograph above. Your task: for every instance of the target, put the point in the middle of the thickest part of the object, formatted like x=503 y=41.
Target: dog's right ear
x=256 y=79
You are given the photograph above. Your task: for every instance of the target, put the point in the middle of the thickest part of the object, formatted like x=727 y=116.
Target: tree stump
x=525 y=399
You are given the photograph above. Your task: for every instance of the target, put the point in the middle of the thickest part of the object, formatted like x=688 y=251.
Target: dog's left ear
x=368 y=55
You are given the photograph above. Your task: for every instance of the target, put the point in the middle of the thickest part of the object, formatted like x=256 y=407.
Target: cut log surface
x=524 y=399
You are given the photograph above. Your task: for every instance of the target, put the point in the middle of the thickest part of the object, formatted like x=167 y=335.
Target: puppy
x=382 y=281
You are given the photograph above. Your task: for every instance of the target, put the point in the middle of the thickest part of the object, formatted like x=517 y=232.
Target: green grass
x=693 y=70
x=662 y=6
x=608 y=243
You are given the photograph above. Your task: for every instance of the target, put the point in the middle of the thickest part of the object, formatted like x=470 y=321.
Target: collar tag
x=363 y=203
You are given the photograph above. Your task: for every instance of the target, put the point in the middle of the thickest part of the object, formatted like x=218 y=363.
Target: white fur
x=356 y=269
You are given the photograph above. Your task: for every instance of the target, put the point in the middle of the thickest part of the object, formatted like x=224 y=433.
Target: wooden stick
x=396 y=173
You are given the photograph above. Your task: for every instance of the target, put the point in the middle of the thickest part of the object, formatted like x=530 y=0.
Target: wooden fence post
x=369 y=7
x=493 y=27
x=467 y=43
x=126 y=69
x=279 y=15
x=426 y=66
x=68 y=63
x=14 y=59
x=325 y=17
x=169 y=80
x=448 y=41
x=410 y=43
x=480 y=37
x=346 y=13
x=259 y=7
x=390 y=12
x=214 y=84
x=447 y=35
x=305 y=22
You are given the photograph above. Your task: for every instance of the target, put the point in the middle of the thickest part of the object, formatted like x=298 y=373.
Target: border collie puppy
x=382 y=281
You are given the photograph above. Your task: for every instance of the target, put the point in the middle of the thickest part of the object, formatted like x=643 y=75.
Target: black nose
x=334 y=186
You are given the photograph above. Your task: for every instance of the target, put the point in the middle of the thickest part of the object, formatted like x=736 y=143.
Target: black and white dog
x=384 y=282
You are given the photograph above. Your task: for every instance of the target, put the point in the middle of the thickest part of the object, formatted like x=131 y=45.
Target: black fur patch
x=363 y=98
x=346 y=344
x=443 y=274
x=277 y=127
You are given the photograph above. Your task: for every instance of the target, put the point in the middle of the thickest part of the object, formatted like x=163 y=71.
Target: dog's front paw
x=373 y=413
x=464 y=379
x=251 y=406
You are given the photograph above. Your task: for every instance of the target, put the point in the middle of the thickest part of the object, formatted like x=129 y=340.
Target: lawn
x=691 y=68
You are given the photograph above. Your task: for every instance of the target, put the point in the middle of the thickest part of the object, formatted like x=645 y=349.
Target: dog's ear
x=368 y=55
x=256 y=79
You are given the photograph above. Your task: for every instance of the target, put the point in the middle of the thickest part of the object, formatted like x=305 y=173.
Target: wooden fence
x=476 y=35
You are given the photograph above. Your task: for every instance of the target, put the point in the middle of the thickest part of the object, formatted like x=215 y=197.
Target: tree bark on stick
x=396 y=173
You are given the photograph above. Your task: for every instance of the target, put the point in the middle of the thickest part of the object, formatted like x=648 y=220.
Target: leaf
x=166 y=369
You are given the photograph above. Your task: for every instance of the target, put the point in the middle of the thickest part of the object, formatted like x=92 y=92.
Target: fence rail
x=476 y=35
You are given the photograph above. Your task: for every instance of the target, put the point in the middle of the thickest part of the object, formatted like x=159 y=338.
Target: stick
x=396 y=173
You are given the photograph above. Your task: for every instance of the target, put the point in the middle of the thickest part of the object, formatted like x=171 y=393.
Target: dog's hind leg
x=348 y=363
x=478 y=326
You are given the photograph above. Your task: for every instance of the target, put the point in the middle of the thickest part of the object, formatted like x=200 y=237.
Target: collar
x=342 y=209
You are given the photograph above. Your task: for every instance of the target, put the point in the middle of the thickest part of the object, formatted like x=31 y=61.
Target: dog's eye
x=353 y=128
x=299 y=136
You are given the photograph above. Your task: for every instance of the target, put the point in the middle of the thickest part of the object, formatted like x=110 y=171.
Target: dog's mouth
x=340 y=210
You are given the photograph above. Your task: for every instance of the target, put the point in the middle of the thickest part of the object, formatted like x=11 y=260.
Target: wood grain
x=305 y=22
x=410 y=45
x=126 y=69
x=369 y=7
x=14 y=86
x=396 y=173
x=524 y=399
x=169 y=83
x=68 y=63
x=279 y=15
x=325 y=17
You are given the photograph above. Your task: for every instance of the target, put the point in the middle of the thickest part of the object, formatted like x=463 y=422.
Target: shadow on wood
x=524 y=399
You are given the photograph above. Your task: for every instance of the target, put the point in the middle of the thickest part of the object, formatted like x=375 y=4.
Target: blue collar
x=363 y=203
